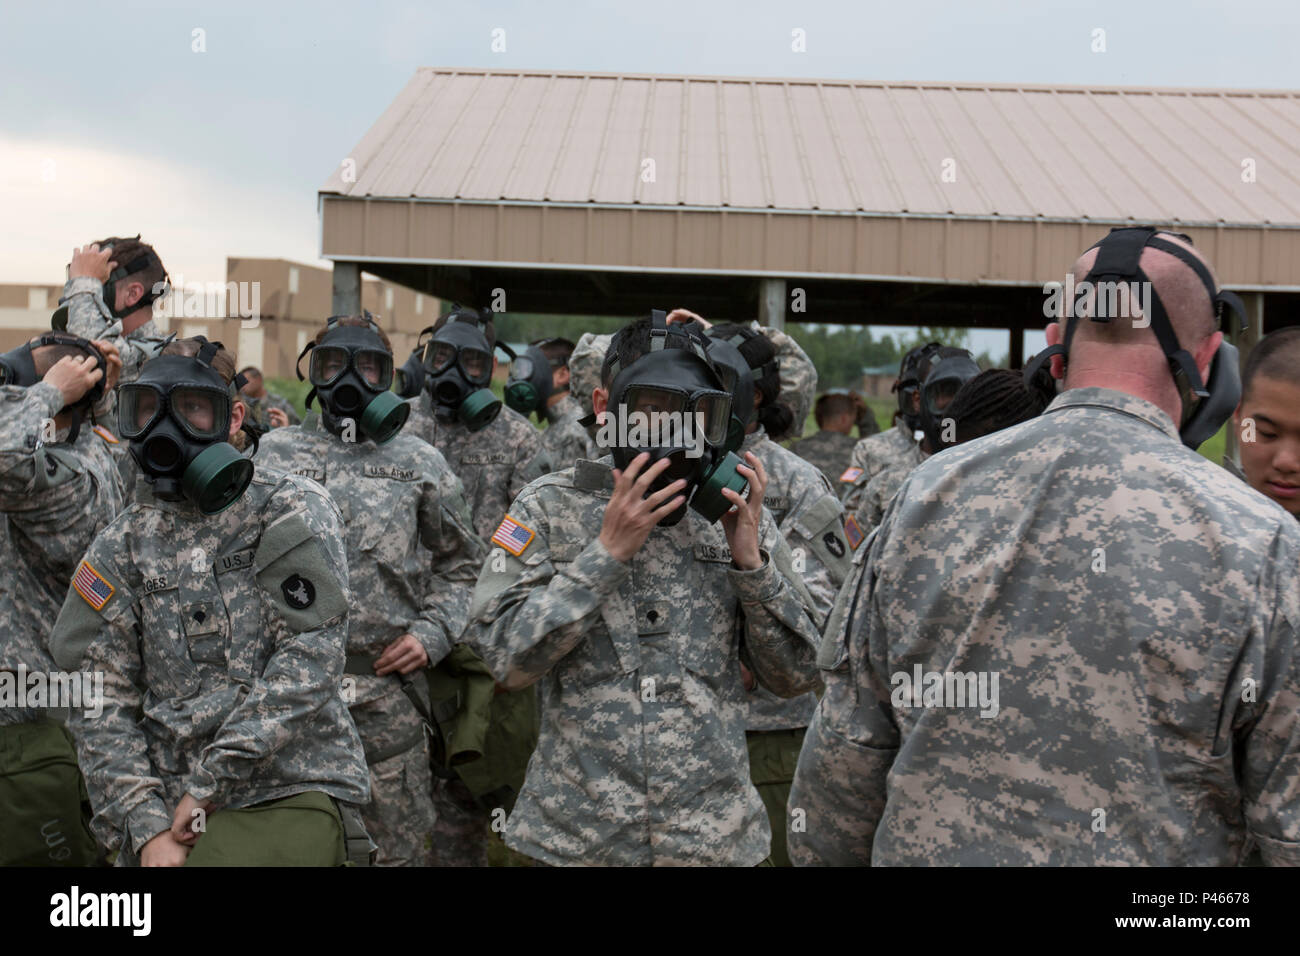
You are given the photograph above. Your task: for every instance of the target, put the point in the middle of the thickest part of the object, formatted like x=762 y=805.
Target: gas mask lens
x=672 y=412
x=522 y=369
x=440 y=356
x=939 y=394
x=202 y=412
x=328 y=363
x=476 y=364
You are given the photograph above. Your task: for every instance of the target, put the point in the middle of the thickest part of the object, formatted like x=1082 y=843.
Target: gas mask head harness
x=350 y=371
x=738 y=379
x=909 y=381
x=672 y=403
x=530 y=385
x=458 y=367
x=18 y=367
x=950 y=369
x=1205 y=405
x=176 y=416
x=141 y=260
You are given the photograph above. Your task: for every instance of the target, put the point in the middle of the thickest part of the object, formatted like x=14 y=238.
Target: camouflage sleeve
x=90 y=318
x=304 y=670
x=839 y=782
x=1271 y=728
x=447 y=530
x=125 y=787
x=531 y=461
x=798 y=376
x=814 y=529
x=780 y=623
x=24 y=468
x=527 y=614
x=871 y=505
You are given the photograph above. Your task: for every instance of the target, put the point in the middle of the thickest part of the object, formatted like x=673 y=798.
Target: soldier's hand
x=278 y=418
x=163 y=850
x=686 y=317
x=741 y=522
x=404 y=655
x=185 y=821
x=93 y=262
x=113 y=358
x=630 y=515
x=74 y=376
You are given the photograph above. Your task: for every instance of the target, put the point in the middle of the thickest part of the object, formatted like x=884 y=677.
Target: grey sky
x=109 y=120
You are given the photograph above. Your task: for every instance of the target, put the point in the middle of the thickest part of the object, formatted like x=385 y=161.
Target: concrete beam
x=347 y=289
x=771 y=303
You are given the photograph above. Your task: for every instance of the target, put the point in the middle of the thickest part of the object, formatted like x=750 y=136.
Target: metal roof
x=1030 y=151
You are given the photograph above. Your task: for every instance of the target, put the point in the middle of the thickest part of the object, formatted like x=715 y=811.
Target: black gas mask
x=176 y=416
x=529 y=386
x=738 y=379
x=909 y=384
x=683 y=383
x=458 y=368
x=1205 y=405
x=18 y=367
x=350 y=372
x=950 y=369
x=408 y=380
x=143 y=260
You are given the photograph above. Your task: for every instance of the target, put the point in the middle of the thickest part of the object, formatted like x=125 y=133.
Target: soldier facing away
x=831 y=447
x=216 y=606
x=1073 y=641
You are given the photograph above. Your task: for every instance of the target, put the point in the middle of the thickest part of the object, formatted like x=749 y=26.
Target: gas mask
x=951 y=369
x=143 y=260
x=671 y=403
x=18 y=367
x=529 y=386
x=408 y=380
x=176 y=416
x=1205 y=405
x=350 y=371
x=909 y=384
x=738 y=379
x=458 y=368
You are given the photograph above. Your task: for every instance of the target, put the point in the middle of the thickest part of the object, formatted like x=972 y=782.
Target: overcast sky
x=110 y=120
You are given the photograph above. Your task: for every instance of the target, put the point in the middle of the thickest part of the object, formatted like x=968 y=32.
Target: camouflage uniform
x=811 y=521
x=55 y=499
x=412 y=561
x=90 y=318
x=1140 y=609
x=880 y=490
x=258 y=409
x=584 y=378
x=564 y=441
x=215 y=684
x=642 y=752
x=494 y=464
x=871 y=456
x=829 y=451
x=798 y=377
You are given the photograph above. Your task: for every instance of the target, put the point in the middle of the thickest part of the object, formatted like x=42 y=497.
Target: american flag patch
x=512 y=536
x=853 y=532
x=90 y=584
x=851 y=474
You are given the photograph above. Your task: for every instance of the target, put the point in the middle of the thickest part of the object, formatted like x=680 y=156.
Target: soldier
x=111 y=288
x=266 y=409
x=495 y=452
x=873 y=454
x=996 y=399
x=1268 y=418
x=948 y=370
x=831 y=447
x=624 y=605
x=811 y=520
x=584 y=378
x=57 y=491
x=1073 y=642
x=539 y=384
x=412 y=558
x=215 y=606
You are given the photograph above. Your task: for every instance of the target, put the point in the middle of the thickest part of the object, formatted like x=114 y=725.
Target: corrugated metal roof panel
x=835 y=146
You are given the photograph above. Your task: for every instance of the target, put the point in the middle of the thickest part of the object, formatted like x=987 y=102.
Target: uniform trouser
x=305 y=829
x=44 y=809
x=461 y=831
x=773 y=756
x=400 y=816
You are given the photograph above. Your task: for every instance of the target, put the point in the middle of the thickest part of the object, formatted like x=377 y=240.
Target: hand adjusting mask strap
x=350 y=372
x=458 y=368
x=18 y=367
x=1205 y=405
x=684 y=383
x=176 y=416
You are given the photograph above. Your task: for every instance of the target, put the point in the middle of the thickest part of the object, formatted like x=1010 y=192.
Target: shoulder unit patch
x=853 y=531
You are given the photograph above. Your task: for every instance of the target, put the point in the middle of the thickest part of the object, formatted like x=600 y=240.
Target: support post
x=771 y=303
x=347 y=288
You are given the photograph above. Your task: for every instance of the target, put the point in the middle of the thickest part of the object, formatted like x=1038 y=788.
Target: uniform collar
x=1121 y=402
x=564 y=408
x=753 y=438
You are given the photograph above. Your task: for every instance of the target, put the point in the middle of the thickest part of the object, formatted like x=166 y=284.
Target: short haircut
x=1275 y=356
x=250 y=371
x=127 y=251
x=833 y=405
